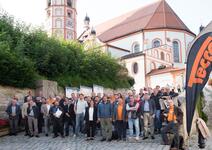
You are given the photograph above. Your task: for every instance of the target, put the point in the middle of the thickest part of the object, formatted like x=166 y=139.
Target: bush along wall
x=28 y=54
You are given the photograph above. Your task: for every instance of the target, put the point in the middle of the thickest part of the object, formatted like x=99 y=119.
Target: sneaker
x=137 y=138
x=74 y=135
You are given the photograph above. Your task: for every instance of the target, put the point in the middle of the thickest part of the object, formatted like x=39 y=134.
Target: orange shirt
x=120 y=112
x=171 y=115
x=50 y=101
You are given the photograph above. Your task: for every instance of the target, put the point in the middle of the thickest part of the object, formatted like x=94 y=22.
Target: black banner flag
x=199 y=66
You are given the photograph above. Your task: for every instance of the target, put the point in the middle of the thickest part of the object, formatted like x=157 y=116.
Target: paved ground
x=22 y=142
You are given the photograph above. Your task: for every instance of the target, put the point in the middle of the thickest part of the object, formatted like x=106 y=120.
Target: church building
x=152 y=43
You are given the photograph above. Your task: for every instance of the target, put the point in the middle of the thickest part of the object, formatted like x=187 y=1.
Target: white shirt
x=91 y=113
x=80 y=106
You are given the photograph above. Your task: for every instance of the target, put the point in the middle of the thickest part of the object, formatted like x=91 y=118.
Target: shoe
x=153 y=137
x=67 y=135
x=74 y=135
x=26 y=134
x=62 y=136
x=88 y=139
x=92 y=138
x=30 y=135
x=55 y=136
x=137 y=138
x=109 y=140
x=144 y=138
x=103 y=139
x=47 y=135
x=124 y=139
x=37 y=136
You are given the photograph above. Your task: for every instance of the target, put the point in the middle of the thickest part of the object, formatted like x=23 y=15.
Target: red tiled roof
x=165 y=70
x=158 y=15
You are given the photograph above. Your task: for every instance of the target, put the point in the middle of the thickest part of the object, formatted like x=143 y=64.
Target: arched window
x=162 y=56
x=153 y=66
x=136 y=47
x=58 y=23
x=156 y=43
x=49 y=2
x=69 y=3
x=69 y=35
x=176 y=51
x=135 y=68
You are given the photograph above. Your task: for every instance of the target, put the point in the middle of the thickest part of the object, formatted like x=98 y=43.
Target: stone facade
x=6 y=95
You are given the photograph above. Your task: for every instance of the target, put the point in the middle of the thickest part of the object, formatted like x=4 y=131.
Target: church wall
x=150 y=36
x=161 y=79
x=116 y=53
x=140 y=76
x=127 y=42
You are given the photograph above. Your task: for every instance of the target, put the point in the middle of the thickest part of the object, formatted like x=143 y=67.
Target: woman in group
x=91 y=120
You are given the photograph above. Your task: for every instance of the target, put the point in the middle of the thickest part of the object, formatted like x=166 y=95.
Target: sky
x=193 y=12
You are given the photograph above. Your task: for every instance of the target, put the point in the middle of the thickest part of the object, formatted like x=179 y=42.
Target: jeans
x=13 y=125
x=79 y=123
x=134 y=122
x=170 y=127
x=46 y=124
x=158 y=123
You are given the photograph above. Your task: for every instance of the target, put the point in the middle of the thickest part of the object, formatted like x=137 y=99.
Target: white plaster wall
x=140 y=76
x=162 y=79
x=127 y=42
x=150 y=36
x=189 y=39
x=116 y=53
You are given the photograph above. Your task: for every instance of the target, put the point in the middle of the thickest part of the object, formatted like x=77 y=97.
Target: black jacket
x=9 y=110
x=35 y=111
x=94 y=114
x=151 y=107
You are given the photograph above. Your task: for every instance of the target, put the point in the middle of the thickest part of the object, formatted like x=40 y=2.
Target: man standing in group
x=175 y=118
x=25 y=115
x=133 y=117
x=80 y=106
x=105 y=118
x=13 y=110
x=148 y=115
x=120 y=117
x=45 y=107
x=33 y=113
x=158 y=123
x=57 y=117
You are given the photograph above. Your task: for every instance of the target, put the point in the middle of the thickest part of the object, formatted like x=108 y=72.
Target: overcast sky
x=192 y=12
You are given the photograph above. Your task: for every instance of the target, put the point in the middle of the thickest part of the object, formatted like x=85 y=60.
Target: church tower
x=61 y=19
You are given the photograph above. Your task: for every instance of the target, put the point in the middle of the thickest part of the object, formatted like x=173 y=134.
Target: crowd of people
x=150 y=112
